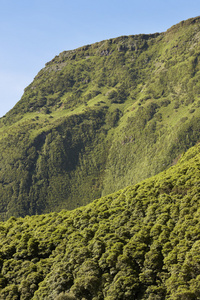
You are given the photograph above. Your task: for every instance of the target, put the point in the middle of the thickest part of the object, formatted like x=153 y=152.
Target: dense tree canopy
x=141 y=242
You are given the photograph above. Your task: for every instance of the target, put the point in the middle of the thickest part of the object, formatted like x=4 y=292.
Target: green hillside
x=141 y=242
x=99 y=118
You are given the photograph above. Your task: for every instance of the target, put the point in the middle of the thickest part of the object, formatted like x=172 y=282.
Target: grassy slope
x=141 y=242
x=99 y=118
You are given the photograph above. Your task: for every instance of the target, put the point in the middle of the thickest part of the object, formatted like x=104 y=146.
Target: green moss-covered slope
x=142 y=242
x=99 y=118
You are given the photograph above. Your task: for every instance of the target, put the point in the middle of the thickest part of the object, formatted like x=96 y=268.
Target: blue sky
x=32 y=32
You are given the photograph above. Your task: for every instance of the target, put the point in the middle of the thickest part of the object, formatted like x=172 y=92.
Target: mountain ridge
x=99 y=118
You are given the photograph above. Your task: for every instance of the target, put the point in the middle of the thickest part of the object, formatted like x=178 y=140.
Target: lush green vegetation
x=93 y=121
x=138 y=243
x=99 y=118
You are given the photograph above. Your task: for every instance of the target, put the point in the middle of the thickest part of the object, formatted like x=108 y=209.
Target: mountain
x=99 y=118
x=141 y=242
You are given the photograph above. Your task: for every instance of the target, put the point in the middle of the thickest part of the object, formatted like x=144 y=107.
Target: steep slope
x=99 y=118
x=138 y=243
